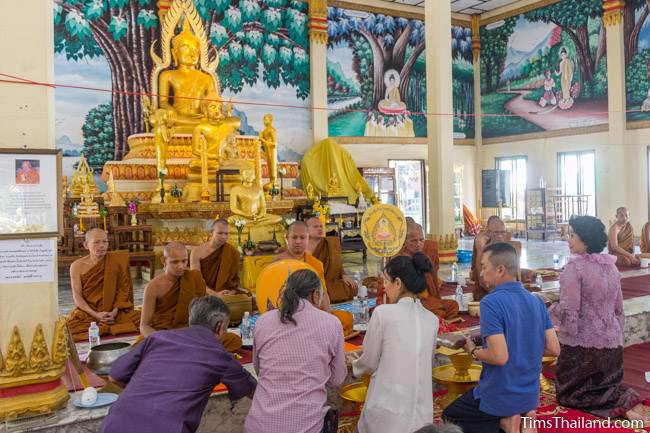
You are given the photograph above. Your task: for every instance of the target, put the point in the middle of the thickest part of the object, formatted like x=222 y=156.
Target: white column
x=478 y=128
x=440 y=142
x=318 y=91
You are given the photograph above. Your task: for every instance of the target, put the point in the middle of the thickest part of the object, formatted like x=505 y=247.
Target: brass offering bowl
x=267 y=246
x=458 y=377
x=546 y=385
x=474 y=309
x=238 y=305
x=102 y=356
x=356 y=393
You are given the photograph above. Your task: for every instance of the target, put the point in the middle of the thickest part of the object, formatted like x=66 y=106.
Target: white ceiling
x=469 y=7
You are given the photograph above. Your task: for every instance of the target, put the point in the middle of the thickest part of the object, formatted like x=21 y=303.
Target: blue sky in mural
x=529 y=34
x=342 y=53
x=72 y=105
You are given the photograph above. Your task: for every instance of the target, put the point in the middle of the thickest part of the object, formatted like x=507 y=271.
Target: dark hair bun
x=421 y=263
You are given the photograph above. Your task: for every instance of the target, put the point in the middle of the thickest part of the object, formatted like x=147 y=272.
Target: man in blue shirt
x=516 y=331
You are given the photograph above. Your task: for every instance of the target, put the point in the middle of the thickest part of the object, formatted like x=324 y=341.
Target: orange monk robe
x=625 y=240
x=645 y=238
x=172 y=309
x=481 y=291
x=472 y=224
x=106 y=286
x=328 y=251
x=431 y=300
x=220 y=269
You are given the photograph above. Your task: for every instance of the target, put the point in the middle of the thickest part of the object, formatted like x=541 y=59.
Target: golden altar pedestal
x=458 y=377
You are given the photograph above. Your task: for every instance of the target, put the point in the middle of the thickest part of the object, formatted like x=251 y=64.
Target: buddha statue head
x=185 y=47
x=268 y=119
x=212 y=106
x=248 y=177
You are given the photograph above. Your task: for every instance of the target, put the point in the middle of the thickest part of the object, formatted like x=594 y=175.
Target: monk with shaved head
x=621 y=239
x=327 y=249
x=167 y=297
x=102 y=290
x=416 y=243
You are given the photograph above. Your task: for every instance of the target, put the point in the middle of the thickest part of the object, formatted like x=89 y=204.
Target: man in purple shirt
x=297 y=352
x=171 y=374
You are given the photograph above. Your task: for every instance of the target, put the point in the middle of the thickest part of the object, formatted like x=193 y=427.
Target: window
x=577 y=179
x=516 y=165
x=409 y=174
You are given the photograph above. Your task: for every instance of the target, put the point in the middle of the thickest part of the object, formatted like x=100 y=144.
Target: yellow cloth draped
x=327 y=158
x=346 y=319
x=328 y=251
x=172 y=309
x=106 y=286
x=220 y=269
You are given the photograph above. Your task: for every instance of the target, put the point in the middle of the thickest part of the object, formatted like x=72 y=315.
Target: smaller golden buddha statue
x=111 y=197
x=87 y=207
x=310 y=191
x=247 y=202
x=333 y=187
x=207 y=140
x=269 y=141
x=83 y=175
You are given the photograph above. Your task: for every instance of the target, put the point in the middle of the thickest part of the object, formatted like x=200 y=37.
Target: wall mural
x=547 y=65
x=104 y=44
x=637 y=59
x=375 y=75
x=463 y=81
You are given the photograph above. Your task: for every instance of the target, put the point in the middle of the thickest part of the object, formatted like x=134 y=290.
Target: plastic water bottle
x=363 y=316
x=454 y=273
x=459 y=297
x=93 y=335
x=539 y=282
x=556 y=262
x=356 y=309
x=246 y=329
x=362 y=292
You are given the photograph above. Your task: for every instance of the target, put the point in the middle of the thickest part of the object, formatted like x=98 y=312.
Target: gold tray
x=446 y=374
x=354 y=392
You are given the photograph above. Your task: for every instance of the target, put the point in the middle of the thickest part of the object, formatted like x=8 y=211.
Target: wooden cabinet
x=382 y=182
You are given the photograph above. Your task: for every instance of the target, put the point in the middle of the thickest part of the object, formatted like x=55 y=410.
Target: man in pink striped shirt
x=297 y=353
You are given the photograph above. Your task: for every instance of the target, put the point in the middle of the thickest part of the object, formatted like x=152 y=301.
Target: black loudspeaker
x=495 y=188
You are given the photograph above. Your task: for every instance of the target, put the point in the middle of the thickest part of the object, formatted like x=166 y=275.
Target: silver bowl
x=102 y=356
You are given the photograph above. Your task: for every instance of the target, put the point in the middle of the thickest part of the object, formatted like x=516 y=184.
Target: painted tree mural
x=637 y=59
x=99 y=140
x=494 y=45
x=395 y=43
x=463 y=79
x=633 y=25
x=573 y=18
x=248 y=34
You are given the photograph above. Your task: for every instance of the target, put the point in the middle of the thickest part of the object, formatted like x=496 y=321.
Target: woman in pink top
x=297 y=353
x=591 y=320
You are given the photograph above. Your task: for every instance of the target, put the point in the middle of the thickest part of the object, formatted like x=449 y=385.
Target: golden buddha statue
x=207 y=140
x=247 y=202
x=111 y=197
x=87 y=207
x=333 y=187
x=269 y=140
x=83 y=178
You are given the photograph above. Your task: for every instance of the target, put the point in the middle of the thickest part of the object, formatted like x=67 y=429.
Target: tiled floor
x=535 y=254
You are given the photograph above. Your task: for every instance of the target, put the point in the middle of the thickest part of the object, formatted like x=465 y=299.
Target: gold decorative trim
x=36 y=403
x=464 y=142
x=461 y=22
x=476 y=36
x=548 y=134
x=318 y=21
x=637 y=124
x=376 y=10
x=517 y=11
x=613 y=12
x=18 y=370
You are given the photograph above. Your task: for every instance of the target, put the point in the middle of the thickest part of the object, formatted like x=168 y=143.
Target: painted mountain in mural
x=517 y=61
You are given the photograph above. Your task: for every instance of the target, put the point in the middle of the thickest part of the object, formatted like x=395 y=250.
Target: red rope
x=24 y=81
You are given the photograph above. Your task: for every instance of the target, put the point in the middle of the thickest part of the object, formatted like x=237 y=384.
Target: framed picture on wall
x=30 y=205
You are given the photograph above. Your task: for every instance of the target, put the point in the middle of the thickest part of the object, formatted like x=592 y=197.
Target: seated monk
x=340 y=287
x=415 y=243
x=621 y=240
x=167 y=297
x=102 y=290
x=218 y=262
x=495 y=231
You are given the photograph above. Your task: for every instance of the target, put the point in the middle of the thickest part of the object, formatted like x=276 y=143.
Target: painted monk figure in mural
x=621 y=239
x=102 y=290
x=565 y=71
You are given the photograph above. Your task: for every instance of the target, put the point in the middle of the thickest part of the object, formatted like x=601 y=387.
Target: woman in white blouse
x=397 y=352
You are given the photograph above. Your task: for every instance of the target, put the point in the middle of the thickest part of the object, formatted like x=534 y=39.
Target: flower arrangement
x=249 y=246
x=132 y=209
x=239 y=225
x=176 y=193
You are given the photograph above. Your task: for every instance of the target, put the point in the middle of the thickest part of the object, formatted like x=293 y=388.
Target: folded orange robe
x=220 y=269
x=328 y=251
x=106 y=286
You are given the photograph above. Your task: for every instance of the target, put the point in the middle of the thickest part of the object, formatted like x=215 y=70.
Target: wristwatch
x=473 y=352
